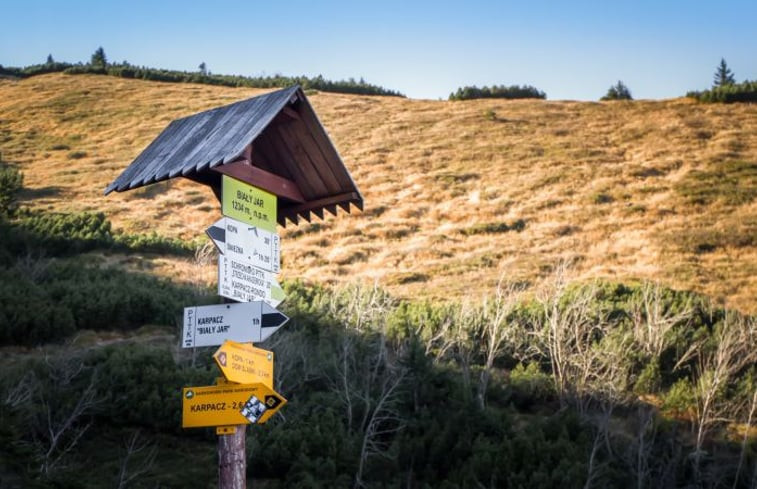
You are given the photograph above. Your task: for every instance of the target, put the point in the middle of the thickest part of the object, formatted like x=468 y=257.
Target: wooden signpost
x=268 y=160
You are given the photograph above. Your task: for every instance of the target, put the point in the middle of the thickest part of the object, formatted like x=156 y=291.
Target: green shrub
x=27 y=315
x=64 y=234
x=141 y=385
x=112 y=299
x=732 y=93
x=650 y=379
x=680 y=400
x=61 y=298
x=11 y=182
x=619 y=91
x=60 y=234
x=497 y=91
x=494 y=227
x=530 y=385
x=154 y=243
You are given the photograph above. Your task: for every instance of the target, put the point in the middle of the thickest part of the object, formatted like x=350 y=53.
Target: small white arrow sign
x=244 y=282
x=241 y=322
x=241 y=241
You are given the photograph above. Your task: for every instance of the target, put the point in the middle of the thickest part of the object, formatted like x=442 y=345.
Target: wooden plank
x=310 y=179
x=302 y=139
x=264 y=157
x=342 y=200
x=247 y=154
x=244 y=171
x=314 y=127
x=291 y=113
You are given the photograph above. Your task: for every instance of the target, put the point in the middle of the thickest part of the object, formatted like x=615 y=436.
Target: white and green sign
x=248 y=204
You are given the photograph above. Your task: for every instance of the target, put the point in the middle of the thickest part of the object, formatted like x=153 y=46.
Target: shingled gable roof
x=273 y=141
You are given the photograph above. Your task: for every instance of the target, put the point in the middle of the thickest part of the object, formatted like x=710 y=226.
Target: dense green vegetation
x=497 y=91
x=725 y=89
x=99 y=65
x=736 y=92
x=569 y=385
x=619 y=91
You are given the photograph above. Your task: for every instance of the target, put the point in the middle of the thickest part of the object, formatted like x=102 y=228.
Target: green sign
x=249 y=204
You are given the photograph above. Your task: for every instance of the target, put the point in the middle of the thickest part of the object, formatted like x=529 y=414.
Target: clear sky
x=425 y=49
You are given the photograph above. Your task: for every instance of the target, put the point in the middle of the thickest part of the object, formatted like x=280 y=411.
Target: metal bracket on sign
x=226 y=430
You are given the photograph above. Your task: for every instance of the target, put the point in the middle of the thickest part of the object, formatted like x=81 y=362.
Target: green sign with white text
x=249 y=204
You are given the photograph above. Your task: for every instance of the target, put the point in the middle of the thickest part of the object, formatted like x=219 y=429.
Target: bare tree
x=437 y=342
x=566 y=334
x=495 y=331
x=652 y=321
x=60 y=427
x=745 y=439
x=295 y=364
x=135 y=447
x=384 y=419
x=601 y=426
x=365 y=373
x=361 y=307
x=463 y=333
x=22 y=392
x=639 y=448
x=204 y=256
x=715 y=367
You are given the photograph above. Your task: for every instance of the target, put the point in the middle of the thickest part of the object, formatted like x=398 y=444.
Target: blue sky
x=425 y=49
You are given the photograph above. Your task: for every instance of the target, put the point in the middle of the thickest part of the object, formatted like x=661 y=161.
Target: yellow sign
x=243 y=363
x=248 y=204
x=230 y=404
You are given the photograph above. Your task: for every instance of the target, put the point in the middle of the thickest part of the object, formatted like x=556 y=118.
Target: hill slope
x=458 y=194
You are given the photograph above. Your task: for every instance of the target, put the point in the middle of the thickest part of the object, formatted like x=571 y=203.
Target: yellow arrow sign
x=243 y=363
x=230 y=404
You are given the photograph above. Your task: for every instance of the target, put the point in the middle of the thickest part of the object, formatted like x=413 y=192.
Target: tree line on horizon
x=724 y=89
x=99 y=65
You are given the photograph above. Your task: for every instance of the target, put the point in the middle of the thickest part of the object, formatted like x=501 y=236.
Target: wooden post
x=232 y=460
x=232 y=451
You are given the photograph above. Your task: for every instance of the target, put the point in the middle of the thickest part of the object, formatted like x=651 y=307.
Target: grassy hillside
x=458 y=194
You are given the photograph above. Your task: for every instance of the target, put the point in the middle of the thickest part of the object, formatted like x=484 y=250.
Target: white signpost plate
x=245 y=242
x=241 y=322
x=244 y=282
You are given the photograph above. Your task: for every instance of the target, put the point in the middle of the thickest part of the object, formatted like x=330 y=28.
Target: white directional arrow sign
x=244 y=282
x=241 y=322
x=241 y=241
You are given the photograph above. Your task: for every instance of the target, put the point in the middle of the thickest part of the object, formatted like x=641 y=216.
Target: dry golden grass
x=663 y=190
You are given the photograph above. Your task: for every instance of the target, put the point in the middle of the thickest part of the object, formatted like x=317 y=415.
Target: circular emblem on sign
x=190 y=394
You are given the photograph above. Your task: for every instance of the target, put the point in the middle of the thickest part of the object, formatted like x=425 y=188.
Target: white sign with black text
x=241 y=241
x=244 y=282
x=241 y=322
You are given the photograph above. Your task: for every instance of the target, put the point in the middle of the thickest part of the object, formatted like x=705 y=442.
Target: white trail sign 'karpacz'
x=241 y=322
